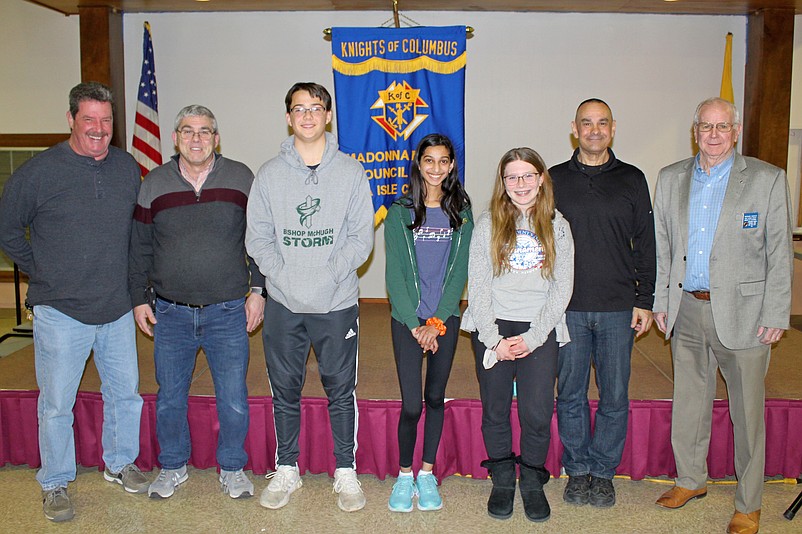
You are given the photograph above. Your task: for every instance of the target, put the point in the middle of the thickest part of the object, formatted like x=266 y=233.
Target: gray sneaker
x=57 y=505
x=285 y=480
x=165 y=484
x=349 y=490
x=236 y=484
x=130 y=477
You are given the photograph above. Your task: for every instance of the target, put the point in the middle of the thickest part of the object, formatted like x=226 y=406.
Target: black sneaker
x=602 y=492
x=577 y=489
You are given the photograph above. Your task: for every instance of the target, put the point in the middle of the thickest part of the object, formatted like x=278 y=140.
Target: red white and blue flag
x=146 y=146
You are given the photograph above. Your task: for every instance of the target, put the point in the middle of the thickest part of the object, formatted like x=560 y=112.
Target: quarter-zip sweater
x=611 y=219
x=401 y=270
x=190 y=245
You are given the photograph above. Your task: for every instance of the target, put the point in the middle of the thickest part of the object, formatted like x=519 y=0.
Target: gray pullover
x=79 y=211
x=519 y=296
x=309 y=230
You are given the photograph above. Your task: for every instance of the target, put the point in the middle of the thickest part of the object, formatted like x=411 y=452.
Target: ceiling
x=697 y=7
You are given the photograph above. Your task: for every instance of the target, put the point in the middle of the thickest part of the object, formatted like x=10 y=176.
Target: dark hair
x=594 y=101
x=314 y=89
x=89 y=91
x=454 y=199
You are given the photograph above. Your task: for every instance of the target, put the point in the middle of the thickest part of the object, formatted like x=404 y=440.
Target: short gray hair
x=195 y=110
x=717 y=100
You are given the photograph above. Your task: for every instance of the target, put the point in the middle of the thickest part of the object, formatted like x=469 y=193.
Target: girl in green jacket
x=427 y=234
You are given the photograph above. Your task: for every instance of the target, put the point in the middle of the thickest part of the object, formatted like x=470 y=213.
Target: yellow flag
x=726 y=75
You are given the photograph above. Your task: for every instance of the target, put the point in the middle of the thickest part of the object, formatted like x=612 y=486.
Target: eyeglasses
x=187 y=134
x=300 y=111
x=528 y=178
x=722 y=127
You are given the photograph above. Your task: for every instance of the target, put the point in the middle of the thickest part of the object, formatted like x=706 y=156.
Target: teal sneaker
x=401 y=498
x=428 y=496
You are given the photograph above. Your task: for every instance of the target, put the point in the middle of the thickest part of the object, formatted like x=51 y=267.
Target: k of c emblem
x=399 y=104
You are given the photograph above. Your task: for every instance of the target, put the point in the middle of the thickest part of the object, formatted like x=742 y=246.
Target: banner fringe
x=399 y=66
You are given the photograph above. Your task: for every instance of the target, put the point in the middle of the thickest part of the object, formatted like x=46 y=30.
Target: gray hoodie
x=309 y=230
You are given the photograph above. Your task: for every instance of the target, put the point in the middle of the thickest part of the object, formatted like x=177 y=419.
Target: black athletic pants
x=409 y=363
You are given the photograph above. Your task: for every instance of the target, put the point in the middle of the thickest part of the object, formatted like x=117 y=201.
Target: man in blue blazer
x=723 y=296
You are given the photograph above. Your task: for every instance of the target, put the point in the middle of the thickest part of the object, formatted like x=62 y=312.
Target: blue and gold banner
x=393 y=87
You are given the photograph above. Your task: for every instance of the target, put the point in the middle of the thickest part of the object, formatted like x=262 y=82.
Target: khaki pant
x=697 y=354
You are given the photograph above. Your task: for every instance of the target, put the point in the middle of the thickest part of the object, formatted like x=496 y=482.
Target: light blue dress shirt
x=706 y=199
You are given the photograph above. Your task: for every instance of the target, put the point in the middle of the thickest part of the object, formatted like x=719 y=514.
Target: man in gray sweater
x=188 y=246
x=310 y=226
x=77 y=199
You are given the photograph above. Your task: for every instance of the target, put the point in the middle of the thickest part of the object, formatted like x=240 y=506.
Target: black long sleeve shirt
x=610 y=212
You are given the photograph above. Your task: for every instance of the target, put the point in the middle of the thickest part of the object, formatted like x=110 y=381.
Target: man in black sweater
x=188 y=246
x=607 y=203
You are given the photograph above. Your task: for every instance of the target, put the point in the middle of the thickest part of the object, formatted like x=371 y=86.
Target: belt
x=701 y=295
x=184 y=304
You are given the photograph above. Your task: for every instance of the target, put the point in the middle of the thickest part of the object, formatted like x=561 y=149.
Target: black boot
x=502 y=472
x=533 y=479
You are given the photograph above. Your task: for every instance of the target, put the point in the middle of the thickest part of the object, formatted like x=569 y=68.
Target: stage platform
x=648 y=449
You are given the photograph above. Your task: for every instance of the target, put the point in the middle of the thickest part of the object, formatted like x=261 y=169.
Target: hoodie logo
x=307 y=209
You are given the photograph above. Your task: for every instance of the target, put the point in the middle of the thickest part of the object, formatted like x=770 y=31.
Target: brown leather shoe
x=678 y=497
x=744 y=523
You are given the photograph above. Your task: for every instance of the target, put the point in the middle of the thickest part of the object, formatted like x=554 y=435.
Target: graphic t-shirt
x=519 y=293
x=432 y=246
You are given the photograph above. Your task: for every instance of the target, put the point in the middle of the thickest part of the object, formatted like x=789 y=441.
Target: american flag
x=146 y=146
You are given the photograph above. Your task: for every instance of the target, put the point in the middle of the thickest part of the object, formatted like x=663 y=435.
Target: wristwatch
x=259 y=291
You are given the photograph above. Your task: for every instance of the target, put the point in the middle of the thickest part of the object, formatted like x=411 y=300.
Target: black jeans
x=535 y=376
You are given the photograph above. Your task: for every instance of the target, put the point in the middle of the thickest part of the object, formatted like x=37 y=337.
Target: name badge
x=750 y=220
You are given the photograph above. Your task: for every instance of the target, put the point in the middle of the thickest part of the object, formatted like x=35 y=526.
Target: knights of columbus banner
x=394 y=86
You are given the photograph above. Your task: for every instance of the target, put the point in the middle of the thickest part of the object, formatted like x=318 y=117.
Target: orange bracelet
x=438 y=324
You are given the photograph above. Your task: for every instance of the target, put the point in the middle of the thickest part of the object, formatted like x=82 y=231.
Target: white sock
x=422 y=472
x=403 y=474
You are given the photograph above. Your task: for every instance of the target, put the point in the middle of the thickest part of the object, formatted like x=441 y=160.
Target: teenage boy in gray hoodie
x=310 y=226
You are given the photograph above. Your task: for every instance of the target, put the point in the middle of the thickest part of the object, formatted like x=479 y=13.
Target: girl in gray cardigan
x=520 y=278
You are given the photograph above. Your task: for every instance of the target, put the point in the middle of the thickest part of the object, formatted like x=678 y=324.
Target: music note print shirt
x=432 y=246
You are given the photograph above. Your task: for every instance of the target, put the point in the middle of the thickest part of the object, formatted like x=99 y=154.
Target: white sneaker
x=349 y=489
x=286 y=479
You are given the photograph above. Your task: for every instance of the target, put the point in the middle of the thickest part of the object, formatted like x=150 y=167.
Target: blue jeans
x=61 y=349
x=178 y=334
x=606 y=339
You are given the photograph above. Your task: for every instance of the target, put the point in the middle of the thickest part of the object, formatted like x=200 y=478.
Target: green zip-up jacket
x=401 y=271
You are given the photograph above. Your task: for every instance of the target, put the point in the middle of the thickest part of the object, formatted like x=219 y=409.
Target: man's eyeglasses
x=187 y=134
x=528 y=178
x=722 y=127
x=300 y=111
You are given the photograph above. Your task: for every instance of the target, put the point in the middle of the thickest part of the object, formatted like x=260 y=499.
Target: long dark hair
x=454 y=199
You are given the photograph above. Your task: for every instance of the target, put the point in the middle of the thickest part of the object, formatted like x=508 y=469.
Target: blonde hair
x=504 y=214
